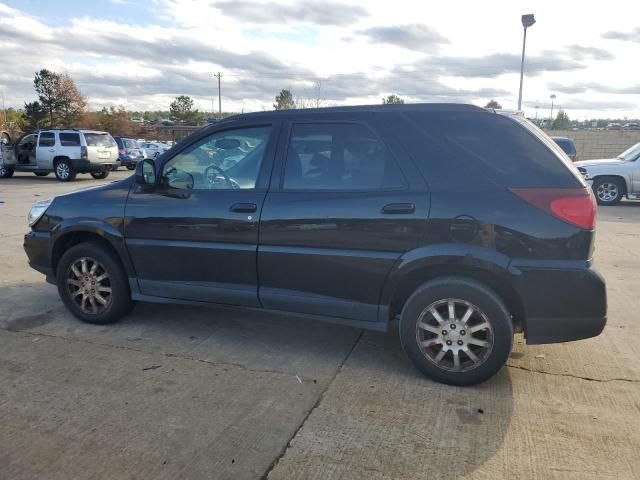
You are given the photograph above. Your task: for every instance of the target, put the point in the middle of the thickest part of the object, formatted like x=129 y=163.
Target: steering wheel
x=211 y=180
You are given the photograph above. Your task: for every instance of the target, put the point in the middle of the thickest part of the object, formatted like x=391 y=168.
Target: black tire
x=64 y=170
x=131 y=167
x=119 y=301
x=608 y=190
x=100 y=175
x=491 y=310
x=41 y=174
x=6 y=172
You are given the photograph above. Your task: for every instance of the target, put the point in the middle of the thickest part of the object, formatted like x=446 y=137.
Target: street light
x=527 y=21
x=552 y=97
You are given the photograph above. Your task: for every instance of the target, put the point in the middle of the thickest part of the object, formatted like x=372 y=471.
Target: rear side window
x=47 y=139
x=70 y=139
x=500 y=147
x=338 y=157
x=99 y=140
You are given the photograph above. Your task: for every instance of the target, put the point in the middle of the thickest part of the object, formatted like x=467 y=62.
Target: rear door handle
x=243 y=207
x=399 y=208
x=52 y=150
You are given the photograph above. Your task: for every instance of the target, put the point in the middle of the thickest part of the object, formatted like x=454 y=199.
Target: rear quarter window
x=99 y=140
x=501 y=148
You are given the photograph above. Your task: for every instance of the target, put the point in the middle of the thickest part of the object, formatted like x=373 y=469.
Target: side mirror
x=146 y=173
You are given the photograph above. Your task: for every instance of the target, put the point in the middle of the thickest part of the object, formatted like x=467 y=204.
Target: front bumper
x=562 y=301
x=37 y=247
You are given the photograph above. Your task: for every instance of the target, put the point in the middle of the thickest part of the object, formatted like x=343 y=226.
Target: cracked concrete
x=180 y=392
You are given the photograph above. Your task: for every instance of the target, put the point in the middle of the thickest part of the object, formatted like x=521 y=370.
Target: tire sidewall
x=480 y=296
x=100 y=175
x=121 y=294
x=602 y=180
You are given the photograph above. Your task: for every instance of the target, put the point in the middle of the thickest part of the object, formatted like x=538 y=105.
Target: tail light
x=83 y=153
x=576 y=206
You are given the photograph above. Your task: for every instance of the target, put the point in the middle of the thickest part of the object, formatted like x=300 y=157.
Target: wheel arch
x=58 y=158
x=625 y=180
x=484 y=266
x=107 y=236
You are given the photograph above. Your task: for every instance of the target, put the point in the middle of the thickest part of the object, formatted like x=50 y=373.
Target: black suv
x=466 y=224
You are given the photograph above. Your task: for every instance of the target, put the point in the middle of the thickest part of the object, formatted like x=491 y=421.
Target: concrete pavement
x=184 y=392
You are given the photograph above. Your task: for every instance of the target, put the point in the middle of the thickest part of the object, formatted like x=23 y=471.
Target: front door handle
x=243 y=207
x=399 y=208
x=52 y=150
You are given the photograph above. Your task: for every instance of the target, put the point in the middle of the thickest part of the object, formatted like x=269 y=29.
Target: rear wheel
x=456 y=331
x=6 y=172
x=131 y=167
x=608 y=190
x=64 y=170
x=41 y=174
x=100 y=175
x=92 y=284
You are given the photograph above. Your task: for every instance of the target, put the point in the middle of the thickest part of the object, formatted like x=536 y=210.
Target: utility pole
x=219 y=76
x=552 y=97
x=527 y=21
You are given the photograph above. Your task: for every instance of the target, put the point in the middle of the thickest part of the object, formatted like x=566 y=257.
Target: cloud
x=632 y=36
x=578 y=52
x=308 y=11
x=414 y=36
x=584 y=87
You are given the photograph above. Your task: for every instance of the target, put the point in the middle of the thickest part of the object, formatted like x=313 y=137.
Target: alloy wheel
x=454 y=335
x=62 y=169
x=89 y=285
x=607 y=191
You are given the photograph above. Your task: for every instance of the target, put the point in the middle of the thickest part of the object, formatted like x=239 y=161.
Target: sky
x=142 y=54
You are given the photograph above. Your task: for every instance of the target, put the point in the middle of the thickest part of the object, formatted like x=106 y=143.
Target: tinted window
x=338 y=157
x=99 y=140
x=222 y=161
x=70 y=139
x=47 y=139
x=507 y=150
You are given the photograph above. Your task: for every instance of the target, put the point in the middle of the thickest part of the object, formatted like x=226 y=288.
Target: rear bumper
x=562 y=301
x=85 y=166
x=37 y=247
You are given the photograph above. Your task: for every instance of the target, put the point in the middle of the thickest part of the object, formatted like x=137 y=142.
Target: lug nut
x=462 y=332
x=460 y=342
x=444 y=332
x=452 y=326
x=449 y=342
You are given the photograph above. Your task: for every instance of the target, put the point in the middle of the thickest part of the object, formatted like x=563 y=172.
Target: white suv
x=65 y=152
x=615 y=178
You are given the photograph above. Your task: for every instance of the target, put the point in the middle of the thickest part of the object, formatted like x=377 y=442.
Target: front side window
x=70 y=139
x=47 y=139
x=339 y=157
x=221 y=161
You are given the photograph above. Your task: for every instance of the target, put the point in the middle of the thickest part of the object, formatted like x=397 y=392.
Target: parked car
x=153 y=149
x=615 y=178
x=468 y=225
x=567 y=146
x=631 y=126
x=130 y=152
x=614 y=126
x=66 y=152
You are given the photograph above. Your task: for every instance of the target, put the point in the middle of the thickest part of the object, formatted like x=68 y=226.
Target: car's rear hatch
x=101 y=147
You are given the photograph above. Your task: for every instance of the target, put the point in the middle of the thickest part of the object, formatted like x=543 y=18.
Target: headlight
x=38 y=210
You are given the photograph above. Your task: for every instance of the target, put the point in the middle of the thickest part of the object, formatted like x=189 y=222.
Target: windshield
x=99 y=140
x=631 y=154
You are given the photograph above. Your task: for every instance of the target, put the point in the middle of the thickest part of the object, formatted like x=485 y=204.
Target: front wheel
x=6 y=172
x=92 y=284
x=456 y=331
x=64 y=171
x=100 y=175
x=608 y=190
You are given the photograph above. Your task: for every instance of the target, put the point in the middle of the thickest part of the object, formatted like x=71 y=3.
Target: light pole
x=552 y=97
x=537 y=107
x=527 y=21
